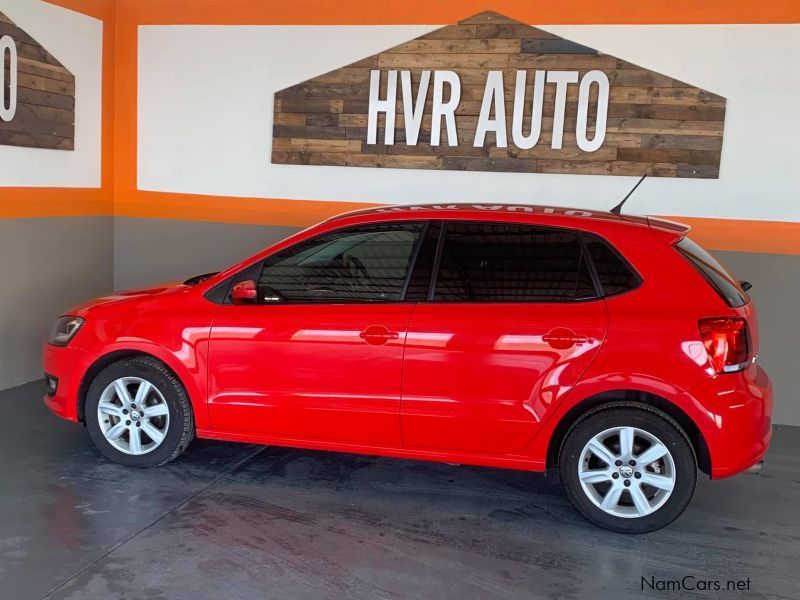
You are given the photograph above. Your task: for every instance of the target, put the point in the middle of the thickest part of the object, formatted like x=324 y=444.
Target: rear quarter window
x=714 y=273
x=614 y=274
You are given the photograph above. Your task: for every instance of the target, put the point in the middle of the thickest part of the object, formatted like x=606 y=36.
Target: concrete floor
x=237 y=521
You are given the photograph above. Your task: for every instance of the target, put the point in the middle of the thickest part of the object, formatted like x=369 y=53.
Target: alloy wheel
x=627 y=472
x=133 y=415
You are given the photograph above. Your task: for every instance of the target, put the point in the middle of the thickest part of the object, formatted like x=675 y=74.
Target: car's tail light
x=727 y=342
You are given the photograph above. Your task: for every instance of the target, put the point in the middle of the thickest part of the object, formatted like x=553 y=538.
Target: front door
x=318 y=354
x=512 y=323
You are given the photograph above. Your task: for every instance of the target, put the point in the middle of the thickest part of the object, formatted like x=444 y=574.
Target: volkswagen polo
x=610 y=347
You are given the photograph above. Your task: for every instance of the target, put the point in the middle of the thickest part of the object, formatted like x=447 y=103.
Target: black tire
x=656 y=423
x=180 y=430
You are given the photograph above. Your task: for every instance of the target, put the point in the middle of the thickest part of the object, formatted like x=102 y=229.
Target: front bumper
x=66 y=365
x=736 y=418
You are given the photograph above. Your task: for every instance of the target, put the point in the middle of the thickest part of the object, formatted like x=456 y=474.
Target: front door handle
x=376 y=335
x=562 y=338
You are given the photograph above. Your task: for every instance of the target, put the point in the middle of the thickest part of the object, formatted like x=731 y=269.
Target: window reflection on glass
x=361 y=264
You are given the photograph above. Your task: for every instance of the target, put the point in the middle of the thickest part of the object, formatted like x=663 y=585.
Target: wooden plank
x=35 y=140
x=48 y=113
x=650 y=95
x=712 y=128
x=387 y=60
x=451 y=32
x=27 y=121
x=691 y=142
x=39 y=98
x=313 y=91
x=302 y=105
x=512 y=30
x=322 y=120
x=315 y=145
x=503 y=165
x=666 y=111
x=297 y=131
x=282 y=118
x=375 y=160
x=698 y=171
x=557 y=46
x=32 y=67
x=670 y=155
x=546 y=152
x=479 y=46
x=563 y=61
x=43 y=84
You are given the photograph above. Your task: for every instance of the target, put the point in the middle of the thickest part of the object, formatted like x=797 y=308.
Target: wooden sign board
x=37 y=93
x=493 y=94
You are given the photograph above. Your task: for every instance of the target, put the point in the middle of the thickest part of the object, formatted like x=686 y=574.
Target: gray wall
x=152 y=250
x=776 y=289
x=47 y=266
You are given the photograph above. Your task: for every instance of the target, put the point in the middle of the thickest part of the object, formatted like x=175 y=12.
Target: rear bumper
x=66 y=365
x=736 y=419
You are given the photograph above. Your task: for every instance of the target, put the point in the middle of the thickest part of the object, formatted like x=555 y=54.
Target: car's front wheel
x=628 y=467
x=138 y=413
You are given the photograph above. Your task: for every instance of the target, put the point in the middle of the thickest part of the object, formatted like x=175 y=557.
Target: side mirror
x=244 y=292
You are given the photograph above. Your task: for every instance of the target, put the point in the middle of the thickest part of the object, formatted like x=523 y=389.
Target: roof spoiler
x=671 y=229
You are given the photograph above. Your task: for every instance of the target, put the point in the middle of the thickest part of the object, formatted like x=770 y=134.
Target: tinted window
x=613 y=273
x=719 y=278
x=497 y=262
x=360 y=264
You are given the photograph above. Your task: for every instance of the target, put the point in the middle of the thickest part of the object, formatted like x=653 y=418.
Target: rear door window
x=499 y=262
x=718 y=276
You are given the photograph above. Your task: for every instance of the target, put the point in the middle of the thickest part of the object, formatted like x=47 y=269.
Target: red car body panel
x=474 y=383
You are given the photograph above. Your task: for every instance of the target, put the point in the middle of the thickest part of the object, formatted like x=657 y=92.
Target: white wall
x=206 y=96
x=77 y=42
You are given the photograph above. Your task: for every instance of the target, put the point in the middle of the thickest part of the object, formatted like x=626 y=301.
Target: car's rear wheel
x=138 y=414
x=628 y=467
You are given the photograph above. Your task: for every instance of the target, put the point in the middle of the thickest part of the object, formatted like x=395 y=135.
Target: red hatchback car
x=523 y=337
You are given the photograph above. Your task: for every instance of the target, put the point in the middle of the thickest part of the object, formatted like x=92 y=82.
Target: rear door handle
x=562 y=338
x=376 y=335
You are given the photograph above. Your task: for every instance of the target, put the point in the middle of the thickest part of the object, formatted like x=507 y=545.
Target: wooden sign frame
x=37 y=103
x=654 y=124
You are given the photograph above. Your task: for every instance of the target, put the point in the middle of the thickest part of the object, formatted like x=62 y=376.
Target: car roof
x=495 y=210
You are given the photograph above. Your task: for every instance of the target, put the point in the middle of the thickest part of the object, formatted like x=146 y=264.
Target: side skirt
x=522 y=463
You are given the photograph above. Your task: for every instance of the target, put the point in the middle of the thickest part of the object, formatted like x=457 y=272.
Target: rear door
x=509 y=324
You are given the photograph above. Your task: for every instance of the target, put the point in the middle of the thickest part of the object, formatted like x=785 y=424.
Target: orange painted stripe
x=740 y=235
x=221 y=209
x=383 y=12
x=775 y=237
x=31 y=202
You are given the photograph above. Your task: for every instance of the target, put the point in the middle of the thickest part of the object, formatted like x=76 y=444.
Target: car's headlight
x=64 y=330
